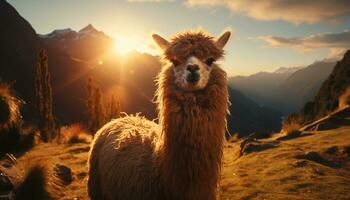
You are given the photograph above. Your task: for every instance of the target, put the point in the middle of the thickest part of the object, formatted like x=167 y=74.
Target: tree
x=99 y=111
x=112 y=108
x=90 y=105
x=43 y=96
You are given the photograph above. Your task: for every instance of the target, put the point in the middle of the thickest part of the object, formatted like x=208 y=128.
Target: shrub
x=12 y=137
x=9 y=107
x=74 y=133
x=36 y=183
x=292 y=123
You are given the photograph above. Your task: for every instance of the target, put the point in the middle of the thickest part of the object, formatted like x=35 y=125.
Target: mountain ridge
x=327 y=97
x=286 y=92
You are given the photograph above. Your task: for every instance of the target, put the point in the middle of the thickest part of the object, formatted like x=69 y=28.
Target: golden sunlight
x=125 y=45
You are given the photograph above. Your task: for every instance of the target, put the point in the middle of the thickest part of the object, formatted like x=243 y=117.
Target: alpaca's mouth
x=192 y=78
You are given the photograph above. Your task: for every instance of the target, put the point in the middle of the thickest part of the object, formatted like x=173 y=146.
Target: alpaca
x=179 y=158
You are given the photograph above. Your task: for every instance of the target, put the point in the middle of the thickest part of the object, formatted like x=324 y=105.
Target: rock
x=332 y=150
x=316 y=157
x=64 y=173
x=291 y=135
x=260 y=135
x=251 y=145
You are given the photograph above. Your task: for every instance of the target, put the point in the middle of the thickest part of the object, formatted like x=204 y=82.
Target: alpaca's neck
x=192 y=154
x=193 y=126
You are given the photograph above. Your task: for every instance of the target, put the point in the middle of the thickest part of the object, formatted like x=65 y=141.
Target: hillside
x=303 y=85
x=327 y=98
x=18 y=53
x=286 y=91
x=313 y=166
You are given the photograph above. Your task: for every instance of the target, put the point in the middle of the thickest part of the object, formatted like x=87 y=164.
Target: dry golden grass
x=9 y=107
x=275 y=173
x=72 y=156
x=278 y=173
x=292 y=123
x=74 y=133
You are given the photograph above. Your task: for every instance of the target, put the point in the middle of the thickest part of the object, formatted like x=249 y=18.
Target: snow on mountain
x=69 y=34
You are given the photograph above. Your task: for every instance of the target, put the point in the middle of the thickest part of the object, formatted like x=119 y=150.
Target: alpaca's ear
x=162 y=43
x=222 y=40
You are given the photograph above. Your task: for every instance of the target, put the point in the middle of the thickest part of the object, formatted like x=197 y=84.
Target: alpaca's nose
x=193 y=76
x=192 y=68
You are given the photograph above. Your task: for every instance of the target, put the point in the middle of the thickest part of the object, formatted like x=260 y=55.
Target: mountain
x=246 y=116
x=302 y=85
x=20 y=45
x=327 y=98
x=87 y=44
x=286 y=89
x=18 y=52
x=262 y=86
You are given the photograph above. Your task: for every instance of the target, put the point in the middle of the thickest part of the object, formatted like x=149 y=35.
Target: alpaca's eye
x=175 y=62
x=210 y=61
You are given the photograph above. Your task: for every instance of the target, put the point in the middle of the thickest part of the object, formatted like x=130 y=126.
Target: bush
x=9 y=107
x=12 y=137
x=74 y=133
x=36 y=183
x=292 y=123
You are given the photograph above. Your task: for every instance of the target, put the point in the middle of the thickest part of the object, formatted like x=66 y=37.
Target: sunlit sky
x=268 y=34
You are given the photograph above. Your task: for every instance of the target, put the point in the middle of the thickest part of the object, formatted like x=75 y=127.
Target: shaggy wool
x=179 y=158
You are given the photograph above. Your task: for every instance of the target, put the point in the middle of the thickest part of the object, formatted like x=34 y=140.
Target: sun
x=124 y=46
x=127 y=44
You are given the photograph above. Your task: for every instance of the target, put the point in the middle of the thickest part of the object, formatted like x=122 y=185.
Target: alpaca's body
x=133 y=158
x=123 y=160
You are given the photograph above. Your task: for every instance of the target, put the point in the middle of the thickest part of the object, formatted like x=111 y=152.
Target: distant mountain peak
x=62 y=31
x=59 y=33
x=89 y=29
x=71 y=35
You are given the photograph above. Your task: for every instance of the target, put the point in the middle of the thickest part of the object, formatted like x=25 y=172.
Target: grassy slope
x=276 y=174
x=270 y=174
x=73 y=156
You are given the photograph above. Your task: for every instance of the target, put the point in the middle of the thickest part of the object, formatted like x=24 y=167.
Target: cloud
x=296 y=11
x=337 y=43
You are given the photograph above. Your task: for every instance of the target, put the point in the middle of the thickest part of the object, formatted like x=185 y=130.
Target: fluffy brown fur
x=133 y=158
x=198 y=43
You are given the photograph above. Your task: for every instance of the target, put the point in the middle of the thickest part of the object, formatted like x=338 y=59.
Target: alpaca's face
x=193 y=74
x=192 y=56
